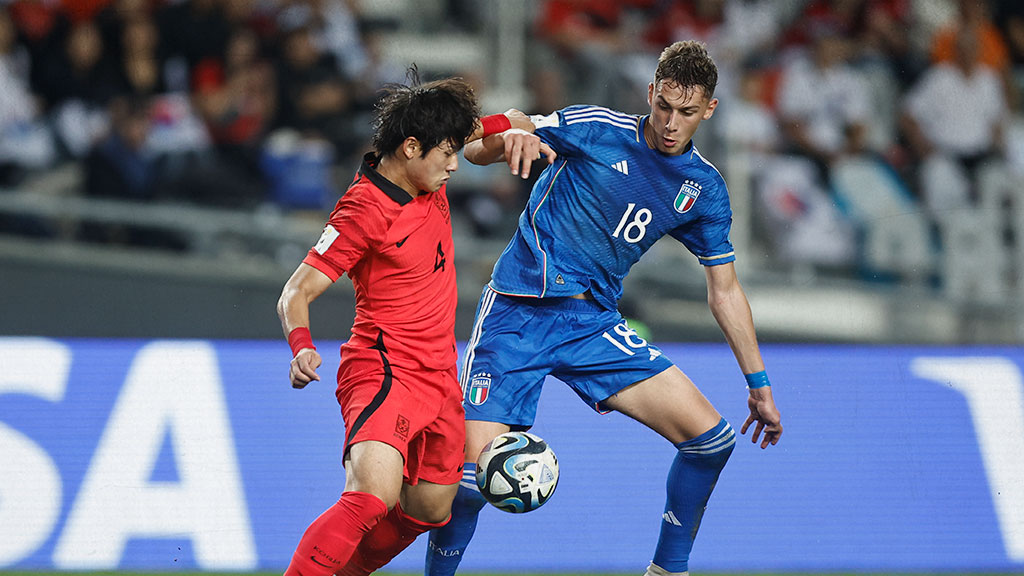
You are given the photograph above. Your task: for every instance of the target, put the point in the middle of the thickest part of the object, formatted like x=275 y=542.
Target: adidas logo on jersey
x=671 y=518
x=621 y=166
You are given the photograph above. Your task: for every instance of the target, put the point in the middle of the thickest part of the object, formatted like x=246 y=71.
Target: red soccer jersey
x=398 y=252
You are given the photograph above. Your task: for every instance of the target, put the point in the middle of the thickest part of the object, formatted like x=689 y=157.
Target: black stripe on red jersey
x=380 y=396
x=393 y=191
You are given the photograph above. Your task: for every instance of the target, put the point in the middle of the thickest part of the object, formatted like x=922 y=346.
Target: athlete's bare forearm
x=729 y=306
x=304 y=286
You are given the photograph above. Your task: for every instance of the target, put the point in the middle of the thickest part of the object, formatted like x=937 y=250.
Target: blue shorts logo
x=479 y=387
x=688 y=193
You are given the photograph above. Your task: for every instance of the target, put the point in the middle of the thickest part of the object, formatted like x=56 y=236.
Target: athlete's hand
x=303 y=367
x=522 y=149
x=519 y=120
x=763 y=411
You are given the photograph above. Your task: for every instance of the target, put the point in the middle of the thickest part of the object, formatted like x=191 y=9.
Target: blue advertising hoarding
x=198 y=455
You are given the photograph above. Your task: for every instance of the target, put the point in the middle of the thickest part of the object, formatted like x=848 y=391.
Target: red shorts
x=419 y=412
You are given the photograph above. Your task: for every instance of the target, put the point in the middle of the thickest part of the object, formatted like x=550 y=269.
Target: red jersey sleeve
x=356 y=226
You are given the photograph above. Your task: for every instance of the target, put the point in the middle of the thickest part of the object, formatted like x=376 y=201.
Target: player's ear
x=650 y=94
x=410 y=148
x=711 y=108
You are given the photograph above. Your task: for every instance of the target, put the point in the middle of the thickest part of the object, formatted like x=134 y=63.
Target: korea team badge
x=688 y=193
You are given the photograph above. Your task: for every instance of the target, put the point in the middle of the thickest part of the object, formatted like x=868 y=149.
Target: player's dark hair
x=433 y=113
x=688 y=64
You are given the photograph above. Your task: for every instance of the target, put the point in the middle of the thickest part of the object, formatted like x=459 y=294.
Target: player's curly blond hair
x=688 y=64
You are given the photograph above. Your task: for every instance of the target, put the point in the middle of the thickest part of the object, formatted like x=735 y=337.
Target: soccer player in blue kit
x=619 y=183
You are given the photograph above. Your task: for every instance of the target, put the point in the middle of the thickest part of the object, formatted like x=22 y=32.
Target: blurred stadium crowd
x=876 y=140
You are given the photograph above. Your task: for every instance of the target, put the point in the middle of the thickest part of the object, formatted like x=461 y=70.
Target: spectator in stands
x=193 y=30
x=973 y=17
x=235 y=96
x=140 y=69
x=887 y=38
x=35 y=23
x=1011 y=20
x=799 y=220
x=82 y=10
x=701 y=20
x=952 y=121
x=81 y=70
x=750 y=28
x=590 y=43
x=77 y=84
x=313 y=97
x=826 y=107
x=24 y=141
x=118 y=165
x=823 y=102
x=749 y=122
x=112 y=18
x=260 y=17
x=336 y=30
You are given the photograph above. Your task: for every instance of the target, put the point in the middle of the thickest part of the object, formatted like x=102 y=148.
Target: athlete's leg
x=373 y=481
x=671 y=405
x=448 y=543
x=505 y=366
x=421 y=507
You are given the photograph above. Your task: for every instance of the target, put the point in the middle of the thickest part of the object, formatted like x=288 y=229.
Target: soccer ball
x=517 y=472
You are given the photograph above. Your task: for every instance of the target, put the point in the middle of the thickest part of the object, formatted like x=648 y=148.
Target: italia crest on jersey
x=479 y=387
x=686 y=197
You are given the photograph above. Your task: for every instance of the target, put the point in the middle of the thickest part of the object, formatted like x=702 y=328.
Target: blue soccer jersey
x=604 y=202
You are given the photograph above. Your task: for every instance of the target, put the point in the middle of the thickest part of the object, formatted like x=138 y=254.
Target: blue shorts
x=517 y=342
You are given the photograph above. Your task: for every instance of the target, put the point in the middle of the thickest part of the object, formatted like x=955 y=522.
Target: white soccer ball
x=517 y=472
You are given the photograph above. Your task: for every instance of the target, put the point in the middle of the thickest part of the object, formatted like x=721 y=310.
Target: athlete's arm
x=731 y=310
x=304 y=286
x=518 y=147
x=517 y=119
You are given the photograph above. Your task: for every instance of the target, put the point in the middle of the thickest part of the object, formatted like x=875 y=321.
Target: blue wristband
x=757 y=380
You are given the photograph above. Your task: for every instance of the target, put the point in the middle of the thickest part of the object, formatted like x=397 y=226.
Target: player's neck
x=394 y=171
x=648 y=136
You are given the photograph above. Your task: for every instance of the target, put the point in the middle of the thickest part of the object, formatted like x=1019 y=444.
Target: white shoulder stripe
x=705 y=160
x=619 y=123
x=603 y=121
x=599 y=109
x=599 y=113
x=606 y=119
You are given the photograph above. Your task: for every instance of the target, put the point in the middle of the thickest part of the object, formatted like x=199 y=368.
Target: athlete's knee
x=478 y=434
x=428 y=502
x=712 y=447
x=431 y=512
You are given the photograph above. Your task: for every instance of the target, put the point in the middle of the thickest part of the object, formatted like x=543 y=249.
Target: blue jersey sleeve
x=707 y=237
x=563 y=139
x=570 y=131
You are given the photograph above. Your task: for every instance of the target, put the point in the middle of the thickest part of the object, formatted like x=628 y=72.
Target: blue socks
x=448 y=543
x=691 y=479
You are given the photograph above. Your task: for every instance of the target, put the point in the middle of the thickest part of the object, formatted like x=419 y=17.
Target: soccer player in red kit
x=397 y=383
